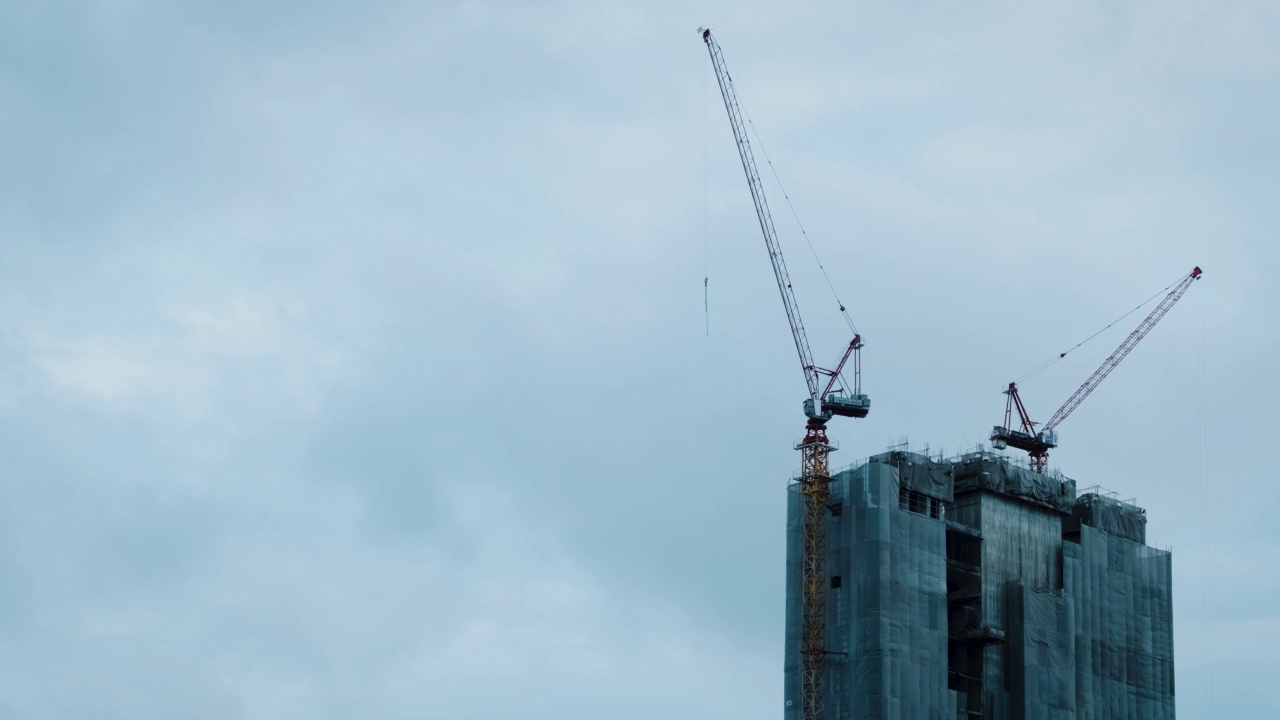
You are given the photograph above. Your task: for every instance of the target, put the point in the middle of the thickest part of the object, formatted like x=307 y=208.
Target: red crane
x=824 y=401
x=1038 y=444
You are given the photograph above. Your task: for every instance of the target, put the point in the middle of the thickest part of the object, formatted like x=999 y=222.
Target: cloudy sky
x=353 y=359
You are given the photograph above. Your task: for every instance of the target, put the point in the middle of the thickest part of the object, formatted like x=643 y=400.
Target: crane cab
x=812 y=413
x=1002 y=437
x=856 y=406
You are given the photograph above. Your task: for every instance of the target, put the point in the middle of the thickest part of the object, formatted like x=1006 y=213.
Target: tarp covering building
x=1108 y=515
x=974 y=588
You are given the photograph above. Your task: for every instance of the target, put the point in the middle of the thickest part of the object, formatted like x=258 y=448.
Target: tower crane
x=1038 y=443
x=828 y=396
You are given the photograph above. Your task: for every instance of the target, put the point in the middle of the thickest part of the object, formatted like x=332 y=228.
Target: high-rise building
x=976 y=588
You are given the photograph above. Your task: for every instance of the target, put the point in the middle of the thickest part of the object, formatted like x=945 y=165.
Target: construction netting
x=1122 y=596
x=886 y=615
x=1042 y=660
x=985 y=471
x=1110 y=516
x=983 y=610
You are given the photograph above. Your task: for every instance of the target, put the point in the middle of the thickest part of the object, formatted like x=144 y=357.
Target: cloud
x=353 y=359
x=1006 y=159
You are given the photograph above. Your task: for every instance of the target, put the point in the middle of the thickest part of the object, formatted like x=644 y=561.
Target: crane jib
x=813 y=375
x=1038 y=443
x=815 y=449
x=1125 y=347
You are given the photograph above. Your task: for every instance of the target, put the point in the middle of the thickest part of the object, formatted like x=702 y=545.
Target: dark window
x=835 y=581
x=837 y=509
x=919 y=503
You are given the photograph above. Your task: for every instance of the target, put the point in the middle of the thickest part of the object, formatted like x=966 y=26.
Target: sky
x=354 y=359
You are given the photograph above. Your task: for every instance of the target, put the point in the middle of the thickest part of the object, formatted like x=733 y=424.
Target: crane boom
x=1038 y=444
x=1114 y=359
x=780 y=274
x=819 y=407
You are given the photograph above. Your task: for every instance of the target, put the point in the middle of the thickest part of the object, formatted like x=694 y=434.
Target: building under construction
x=972 y=588
x=978 y=588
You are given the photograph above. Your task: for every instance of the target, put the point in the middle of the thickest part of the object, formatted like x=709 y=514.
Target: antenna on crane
x=1038 y=444
x=827 y=397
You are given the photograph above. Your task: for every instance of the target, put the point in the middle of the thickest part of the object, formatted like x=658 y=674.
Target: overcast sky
x=353 y=357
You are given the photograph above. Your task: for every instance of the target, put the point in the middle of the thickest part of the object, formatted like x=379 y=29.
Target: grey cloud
x=352 y=357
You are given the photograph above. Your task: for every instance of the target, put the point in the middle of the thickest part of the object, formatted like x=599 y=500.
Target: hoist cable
x=1045 y=365
x=795 y=215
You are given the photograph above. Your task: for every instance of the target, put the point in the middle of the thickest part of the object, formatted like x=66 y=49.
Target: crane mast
x=822 y=403
x=1038 y=444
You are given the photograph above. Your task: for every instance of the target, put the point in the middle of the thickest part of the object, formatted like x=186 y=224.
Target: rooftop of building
x=949 y=476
